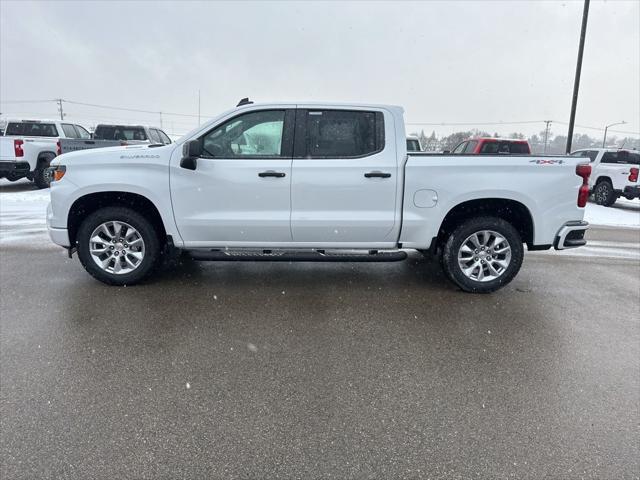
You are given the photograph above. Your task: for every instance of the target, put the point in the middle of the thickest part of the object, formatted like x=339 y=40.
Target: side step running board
x=284 y=256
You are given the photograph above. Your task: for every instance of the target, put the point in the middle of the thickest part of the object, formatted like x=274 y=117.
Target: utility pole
x=161 y=120
x=546 y=135
x=576 y=83
x=59 y=101
x=198 y=107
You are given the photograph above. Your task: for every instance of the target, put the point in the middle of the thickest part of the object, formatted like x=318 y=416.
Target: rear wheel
x=483 y=254
x=118 y=246
x=604 y=194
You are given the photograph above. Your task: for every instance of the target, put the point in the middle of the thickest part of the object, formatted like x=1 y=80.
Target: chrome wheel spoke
x=116 y=247
x=484 y=256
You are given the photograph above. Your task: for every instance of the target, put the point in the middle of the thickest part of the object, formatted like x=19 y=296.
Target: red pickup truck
x=493 y=146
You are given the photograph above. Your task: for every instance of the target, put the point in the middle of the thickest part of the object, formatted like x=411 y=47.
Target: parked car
x=492 y=146
x=117 y=135
x=343 y=188
x=615 y=174
x=413 y=144
x=28 y=146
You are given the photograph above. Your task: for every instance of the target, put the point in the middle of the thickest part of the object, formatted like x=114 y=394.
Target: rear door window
x=343 y=133
x=32 y=129
x=69 y=130
x=82 y=132
x=164 y=137
x=153 y=135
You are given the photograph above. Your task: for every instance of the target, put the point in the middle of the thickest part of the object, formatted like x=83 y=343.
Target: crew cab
x=116 y=135
x=312 y=182
x=28 y=146
x=492 y=146
x=615 y=174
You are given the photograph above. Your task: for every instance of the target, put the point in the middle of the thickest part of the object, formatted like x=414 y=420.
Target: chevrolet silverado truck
x=312 y=182
x=28 y=146
x=615 y=174
x=116 y=135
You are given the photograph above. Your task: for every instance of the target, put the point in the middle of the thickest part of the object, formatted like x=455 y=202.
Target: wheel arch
x=603 y=178
x=512 y=211
x=91 y=202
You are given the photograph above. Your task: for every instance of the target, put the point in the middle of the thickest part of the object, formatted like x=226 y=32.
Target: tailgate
x=73 y=145
x=7 y=152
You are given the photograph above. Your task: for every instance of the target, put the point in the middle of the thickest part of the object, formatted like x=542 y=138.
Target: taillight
x=17 y=148
x=58 y=148
x=633 y=174
x=583 y=170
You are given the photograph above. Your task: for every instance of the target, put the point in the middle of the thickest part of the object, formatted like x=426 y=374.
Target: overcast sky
x=443 y=61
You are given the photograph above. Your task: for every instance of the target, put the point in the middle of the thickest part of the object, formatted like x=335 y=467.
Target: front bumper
x=571 y=235
x=631 y=192
x=59 y=236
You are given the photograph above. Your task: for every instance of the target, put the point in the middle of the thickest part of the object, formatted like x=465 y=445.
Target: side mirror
x=446 y=151
x=190 y=153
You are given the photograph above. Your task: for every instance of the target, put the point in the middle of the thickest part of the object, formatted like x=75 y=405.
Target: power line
x=436 y=124
x=27 y=101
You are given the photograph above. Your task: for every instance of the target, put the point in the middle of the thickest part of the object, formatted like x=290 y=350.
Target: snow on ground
x=623 y=213
x=23 y=210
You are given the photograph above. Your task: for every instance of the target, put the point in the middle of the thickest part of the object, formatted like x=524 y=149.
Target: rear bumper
x=571 y=235
x=631 y=192
x=14 y=168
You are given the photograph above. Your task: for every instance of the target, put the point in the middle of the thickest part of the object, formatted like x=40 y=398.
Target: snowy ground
x=23 y=209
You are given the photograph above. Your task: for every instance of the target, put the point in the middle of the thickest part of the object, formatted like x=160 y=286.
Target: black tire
x=41 y=177
x=604 y=194
x=449 y=258
x=141 y=224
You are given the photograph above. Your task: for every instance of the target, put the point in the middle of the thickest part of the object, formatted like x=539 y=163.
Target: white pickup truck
x=312 y=182
x=615 y=174
x=116 y=135
x=28 y=146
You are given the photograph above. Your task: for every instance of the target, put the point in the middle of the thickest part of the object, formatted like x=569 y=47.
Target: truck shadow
x=22 y=185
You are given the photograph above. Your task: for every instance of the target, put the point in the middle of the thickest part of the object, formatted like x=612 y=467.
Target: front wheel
x=118 y=246
x=483 y=254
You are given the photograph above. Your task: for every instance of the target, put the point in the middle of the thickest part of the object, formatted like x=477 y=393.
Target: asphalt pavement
x=272 y=370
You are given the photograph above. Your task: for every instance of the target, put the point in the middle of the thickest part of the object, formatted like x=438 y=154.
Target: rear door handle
x=271 y=173
x=377 y=175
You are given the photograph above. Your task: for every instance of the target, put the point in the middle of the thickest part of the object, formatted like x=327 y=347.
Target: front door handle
x=377 y=175
x=271 y=173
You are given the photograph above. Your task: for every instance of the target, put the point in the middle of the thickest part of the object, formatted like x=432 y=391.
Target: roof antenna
x=244 y=101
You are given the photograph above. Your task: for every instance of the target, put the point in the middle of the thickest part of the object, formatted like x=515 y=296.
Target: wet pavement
x=271 y=370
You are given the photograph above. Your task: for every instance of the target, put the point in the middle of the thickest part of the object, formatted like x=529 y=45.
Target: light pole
x=576 y=83
x=604 y=140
